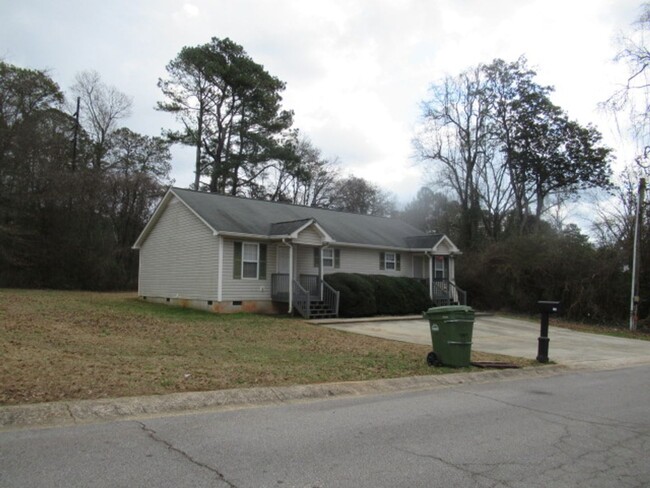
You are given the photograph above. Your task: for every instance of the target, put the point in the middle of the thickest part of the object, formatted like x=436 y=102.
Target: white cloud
x=355 y=70
x=190 y=10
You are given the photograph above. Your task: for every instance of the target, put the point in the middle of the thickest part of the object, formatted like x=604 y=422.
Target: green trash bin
x=451 y=335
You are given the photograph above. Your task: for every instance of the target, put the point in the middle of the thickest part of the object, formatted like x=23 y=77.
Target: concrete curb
x=93 y=411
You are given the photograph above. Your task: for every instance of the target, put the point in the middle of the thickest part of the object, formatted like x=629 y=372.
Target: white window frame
x=390 y=261
x=244 y=260
x=327 y=259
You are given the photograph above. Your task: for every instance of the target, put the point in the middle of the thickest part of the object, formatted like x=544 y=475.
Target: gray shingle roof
x=258 y=217
x=424 y=242
x=286 y=228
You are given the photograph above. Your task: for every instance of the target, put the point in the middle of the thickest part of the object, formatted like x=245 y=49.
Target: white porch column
x=290 y=277
x=320 y=274
x=452 y=269
x=220 y=275
x=430 y=276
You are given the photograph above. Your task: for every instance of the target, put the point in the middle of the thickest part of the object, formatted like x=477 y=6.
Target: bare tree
x=102 y=107
x=505 y=149
x=631 y=97
x=455 y=135
x=614 y=221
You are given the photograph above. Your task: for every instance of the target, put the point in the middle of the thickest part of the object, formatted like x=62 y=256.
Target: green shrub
x=366 y=295
x=388 y=295
x=416 y=295
x=357 y=297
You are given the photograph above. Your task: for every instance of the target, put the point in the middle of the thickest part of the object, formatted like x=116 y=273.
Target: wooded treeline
x=70 y=211
x=506 y=161
x=591 y=277
x=77 y=187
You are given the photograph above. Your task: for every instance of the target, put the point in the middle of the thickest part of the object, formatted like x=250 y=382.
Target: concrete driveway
x=513 y=337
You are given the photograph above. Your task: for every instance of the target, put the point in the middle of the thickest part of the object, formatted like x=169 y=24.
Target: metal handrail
x=301 y=300
x=448 y=292
x=331 y=297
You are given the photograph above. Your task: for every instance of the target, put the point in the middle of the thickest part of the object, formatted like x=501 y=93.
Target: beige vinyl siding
x=421 y=264
x=305 y=261
x=364 y=261
x=245 y=288
x=179 y=258
x=443 y=248
x=310 y=236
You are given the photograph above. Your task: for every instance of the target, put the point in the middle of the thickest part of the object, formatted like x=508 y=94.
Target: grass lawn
x=57 y=345
x=642 y=332
x=616 y=330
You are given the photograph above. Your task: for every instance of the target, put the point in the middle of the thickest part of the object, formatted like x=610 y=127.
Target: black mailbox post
x=546 y=308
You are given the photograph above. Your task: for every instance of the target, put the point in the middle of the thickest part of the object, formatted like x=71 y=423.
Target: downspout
x=430 y=256
x=284 y=241
x=321 y=271
x=220 y=272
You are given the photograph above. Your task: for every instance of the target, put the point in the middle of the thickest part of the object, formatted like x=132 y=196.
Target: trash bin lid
x=450 y=309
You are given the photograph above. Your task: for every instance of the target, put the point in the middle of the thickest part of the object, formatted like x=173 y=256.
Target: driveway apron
x=512 y=337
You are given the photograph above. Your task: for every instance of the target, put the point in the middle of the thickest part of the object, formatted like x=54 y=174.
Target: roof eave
x=452 y=246
x=326 y=237
x=154 y=218
x=158 y=212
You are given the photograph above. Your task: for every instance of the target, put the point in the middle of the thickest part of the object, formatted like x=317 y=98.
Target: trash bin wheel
x=432 y=359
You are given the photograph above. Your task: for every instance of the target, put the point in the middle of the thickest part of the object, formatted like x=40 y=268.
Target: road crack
x=475 y=474
x=608 y=423
x=155 y=437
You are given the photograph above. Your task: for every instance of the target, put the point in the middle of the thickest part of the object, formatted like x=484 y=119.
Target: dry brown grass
x=77 y=345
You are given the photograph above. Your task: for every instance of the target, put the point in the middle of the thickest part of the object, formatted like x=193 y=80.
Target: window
x=331 y=257
x=389 y=260
x=250 y=260
x=328 y=258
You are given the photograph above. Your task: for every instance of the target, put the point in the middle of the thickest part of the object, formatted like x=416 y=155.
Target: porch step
x=319 y=310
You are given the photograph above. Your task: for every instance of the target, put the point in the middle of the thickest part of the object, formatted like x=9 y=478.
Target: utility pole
x=76 y=132
x=636 y=257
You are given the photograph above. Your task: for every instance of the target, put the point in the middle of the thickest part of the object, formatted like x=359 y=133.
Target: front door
x=418 y=267
x=283 y=260
x=439 y=268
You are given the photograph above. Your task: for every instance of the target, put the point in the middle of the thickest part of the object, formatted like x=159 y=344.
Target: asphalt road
x=579 y=429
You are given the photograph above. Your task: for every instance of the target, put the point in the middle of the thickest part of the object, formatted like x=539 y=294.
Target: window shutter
x=236 y=267
x=382 y=260
x=397 y=262
x=262 y=263
x=337 y=258
x=316 y=257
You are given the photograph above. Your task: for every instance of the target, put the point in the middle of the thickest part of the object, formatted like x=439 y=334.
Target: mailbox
x=546 y=308
x=549 y=307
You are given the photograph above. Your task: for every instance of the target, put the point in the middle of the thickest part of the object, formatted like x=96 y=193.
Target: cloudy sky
x=355 y=70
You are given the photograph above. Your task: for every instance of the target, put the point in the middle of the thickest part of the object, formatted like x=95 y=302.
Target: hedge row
x=367 y=295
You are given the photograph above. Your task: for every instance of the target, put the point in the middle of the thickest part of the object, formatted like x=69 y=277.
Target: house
x=228 y=254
